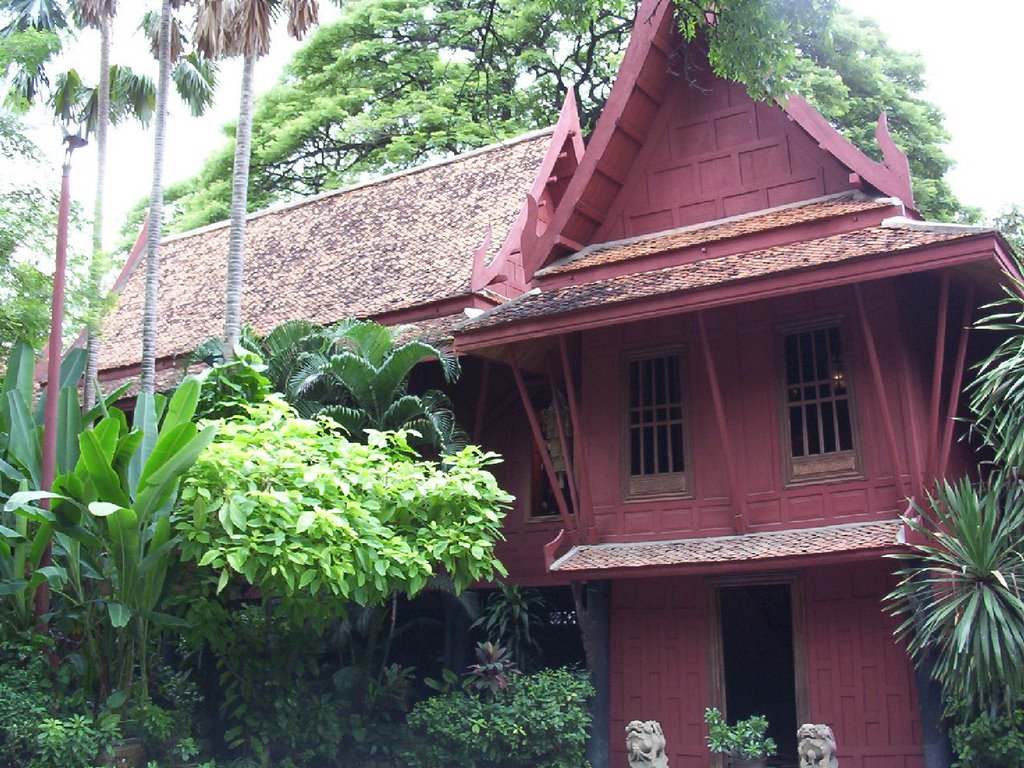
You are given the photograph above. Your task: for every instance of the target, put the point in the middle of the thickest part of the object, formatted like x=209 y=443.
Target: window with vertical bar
x=818 y=408
x=655 y=458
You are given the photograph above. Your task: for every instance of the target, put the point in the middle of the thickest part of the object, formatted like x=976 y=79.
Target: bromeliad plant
x=122 y=489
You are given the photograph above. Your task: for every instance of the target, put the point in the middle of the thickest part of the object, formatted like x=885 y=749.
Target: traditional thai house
x=720 y=352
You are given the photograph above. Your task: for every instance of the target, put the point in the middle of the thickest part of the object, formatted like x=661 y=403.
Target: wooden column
x=585 y=511
x=545 y=455
x=957 y=383
x=739 y=499
x=481 y=402
x=938 y=364
x=883 y=398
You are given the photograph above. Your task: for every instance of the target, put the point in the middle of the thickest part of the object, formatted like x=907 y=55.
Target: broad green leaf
x=24 y=446
x=120 y=614
x=97 y=461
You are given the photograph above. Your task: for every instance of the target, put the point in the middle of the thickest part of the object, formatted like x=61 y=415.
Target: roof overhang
x=768 y=551
x=984 y=249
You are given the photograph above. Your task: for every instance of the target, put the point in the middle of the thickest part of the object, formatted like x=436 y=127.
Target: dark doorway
x=758 y=660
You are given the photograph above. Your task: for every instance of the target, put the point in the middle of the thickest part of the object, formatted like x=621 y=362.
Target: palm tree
x=360 y=379
x=195 y=78
x=243 y=28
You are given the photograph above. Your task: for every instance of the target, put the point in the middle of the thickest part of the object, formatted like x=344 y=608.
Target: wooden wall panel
x=659 y=664
x=715 y=153
x=861 y=680
x=745 y=348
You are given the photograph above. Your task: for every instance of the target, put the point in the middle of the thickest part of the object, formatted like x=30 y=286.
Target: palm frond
x=303 y=15
x=195 y=80
x=44 y=15
x=249 y=28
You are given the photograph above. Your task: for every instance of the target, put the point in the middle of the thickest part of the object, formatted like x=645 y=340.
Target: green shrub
x=988 y=741
x=537 y=721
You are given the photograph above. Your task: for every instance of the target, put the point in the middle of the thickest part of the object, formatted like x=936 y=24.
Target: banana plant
x=24 y=535
x=122 y=488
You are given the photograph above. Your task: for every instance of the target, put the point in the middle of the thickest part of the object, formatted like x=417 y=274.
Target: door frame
x=716 y=656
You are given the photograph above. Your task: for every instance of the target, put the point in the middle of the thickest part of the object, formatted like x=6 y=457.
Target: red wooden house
x=719 y=350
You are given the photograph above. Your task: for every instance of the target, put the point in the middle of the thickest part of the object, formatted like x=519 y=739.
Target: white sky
x=973 y=67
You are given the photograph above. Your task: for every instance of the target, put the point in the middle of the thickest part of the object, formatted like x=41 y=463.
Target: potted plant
x=746 y=744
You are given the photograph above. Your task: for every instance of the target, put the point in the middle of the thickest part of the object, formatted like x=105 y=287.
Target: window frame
x=834 y=466
x=666 y=485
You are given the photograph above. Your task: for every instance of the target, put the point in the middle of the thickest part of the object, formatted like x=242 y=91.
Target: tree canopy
x=392 y=84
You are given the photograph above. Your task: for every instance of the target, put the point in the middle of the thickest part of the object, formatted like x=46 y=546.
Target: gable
x=673 y=150
x=712 y=153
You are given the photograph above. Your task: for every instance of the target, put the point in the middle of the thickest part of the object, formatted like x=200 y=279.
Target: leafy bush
x=746 y=739
x=988 y=741
x=537 y=721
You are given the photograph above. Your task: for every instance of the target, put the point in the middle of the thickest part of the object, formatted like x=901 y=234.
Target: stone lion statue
x=817 y=747
x=645 y=744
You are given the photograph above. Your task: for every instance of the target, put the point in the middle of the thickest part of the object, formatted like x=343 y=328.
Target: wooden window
x=818 y=410
x=655 y=461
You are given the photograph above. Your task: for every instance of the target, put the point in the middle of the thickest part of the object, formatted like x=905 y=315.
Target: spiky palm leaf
x=960 y=593
x=195 y=80
x=45 y=15
x=997 y=391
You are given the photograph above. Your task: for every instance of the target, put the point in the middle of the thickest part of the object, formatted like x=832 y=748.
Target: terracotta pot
x=130 y=753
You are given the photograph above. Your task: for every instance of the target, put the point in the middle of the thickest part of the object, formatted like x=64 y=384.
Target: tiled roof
x=716 y=271
x=703 y=234
x=728 y=549
x=395 y=243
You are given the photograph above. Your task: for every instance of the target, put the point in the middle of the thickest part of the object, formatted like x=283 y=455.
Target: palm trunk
x=97 y=265
x=156 y=205
x=239 y=200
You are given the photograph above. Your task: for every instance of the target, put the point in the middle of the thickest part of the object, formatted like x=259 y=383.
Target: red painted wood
x=860 y=680
x=956 y=385
x=713 y=153
x=538 y=439
x=940 y=352
x=589 y=532
x=736 y=492
x=881 y=391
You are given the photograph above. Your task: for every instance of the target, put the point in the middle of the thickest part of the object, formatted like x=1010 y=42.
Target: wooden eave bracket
x=891 y=177
x=551 y=548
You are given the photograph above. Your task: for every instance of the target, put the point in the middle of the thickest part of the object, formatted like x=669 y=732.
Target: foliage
x=392 y=84
x=510 y=617
x=746 y=739
x=493 y=669
x=986 y=741
x=538 y=721
x=752 y=41
x=111 y=506
x=851 y=73
x=73 y=742
x=302 y=513
x=359 y=378
x=229 y=387
x=28 y=226
x=1010 y=222
x=996 y=394
x=959 y=592
x=285 y=694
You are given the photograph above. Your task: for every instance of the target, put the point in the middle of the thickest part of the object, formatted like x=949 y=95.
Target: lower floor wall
x=667 y=663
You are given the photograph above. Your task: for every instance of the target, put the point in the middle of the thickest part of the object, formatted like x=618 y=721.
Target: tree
x=243 y=28
x=28 y=219
x=392 y=84
x=196 y=79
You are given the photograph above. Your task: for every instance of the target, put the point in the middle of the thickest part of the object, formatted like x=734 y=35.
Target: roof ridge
x=429 y=165
x=902 y=222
